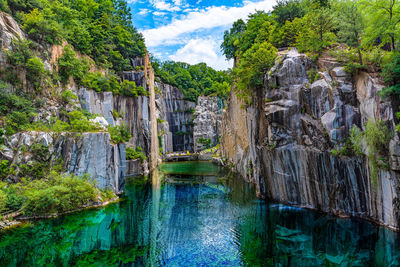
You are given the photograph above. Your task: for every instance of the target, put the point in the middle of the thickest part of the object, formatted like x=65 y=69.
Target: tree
x=228 y=47
x=351 y=24
x=252 y=67
x=383 y=17
x=317 y=30
x=288 y=10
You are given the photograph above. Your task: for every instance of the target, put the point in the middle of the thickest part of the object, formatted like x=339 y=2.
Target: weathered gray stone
x=207 y=124
x=283 y=143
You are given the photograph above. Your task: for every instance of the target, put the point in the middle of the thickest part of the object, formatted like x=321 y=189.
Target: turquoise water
x=209 y=219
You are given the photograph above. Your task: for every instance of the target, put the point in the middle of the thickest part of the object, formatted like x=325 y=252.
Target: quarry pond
x=198 y=214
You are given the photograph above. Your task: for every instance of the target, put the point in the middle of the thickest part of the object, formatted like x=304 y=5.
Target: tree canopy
x=193 y=80
x=101 y=29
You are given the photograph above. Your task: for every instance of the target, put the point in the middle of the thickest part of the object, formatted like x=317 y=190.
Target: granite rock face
x=282 y=142
x=175 y=119
x=9 y=29
x=207 y=122
x=86 y=153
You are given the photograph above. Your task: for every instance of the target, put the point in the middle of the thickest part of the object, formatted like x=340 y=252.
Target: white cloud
x=202 y=50
x=162 y=5
x=143 y=11
x=159 y=13
x=206 y=19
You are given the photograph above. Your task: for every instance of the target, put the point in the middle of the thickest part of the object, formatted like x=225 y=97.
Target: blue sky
x=190 y=30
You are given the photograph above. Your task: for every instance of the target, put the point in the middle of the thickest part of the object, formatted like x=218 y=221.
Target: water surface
x=195 y=214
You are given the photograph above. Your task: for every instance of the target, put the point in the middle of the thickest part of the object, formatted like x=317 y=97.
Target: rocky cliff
x=282 y=142
x=175 y=118
x=90 y=152
x=207 y=122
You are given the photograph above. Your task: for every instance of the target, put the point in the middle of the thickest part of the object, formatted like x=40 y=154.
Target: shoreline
x=18 y=219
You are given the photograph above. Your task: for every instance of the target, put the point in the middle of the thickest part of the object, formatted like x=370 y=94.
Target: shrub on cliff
x=119 y=134
x=69 y=65
x=253 y=65
x=135 y=153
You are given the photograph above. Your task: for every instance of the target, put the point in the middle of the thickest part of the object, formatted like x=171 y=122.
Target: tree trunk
x=359 y=56
x=393 y=43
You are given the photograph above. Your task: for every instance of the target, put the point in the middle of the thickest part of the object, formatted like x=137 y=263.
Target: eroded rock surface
x=282 y=142
x=207 y=122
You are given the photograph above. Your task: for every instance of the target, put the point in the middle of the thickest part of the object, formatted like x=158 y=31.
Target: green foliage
x=119 y=134
x=3 y=201
x=129 y=88
x=41 y=28
x=316 y=34
x=4 y=169
x=351 y=24
x=356 y=138
x=253 y=65
x=193 y=80
x=116 y=115
x=68 y=96
x=228 y=46
x=18 y=111
x=79 y=122
x=346 y=150
x=59 y=193
x=101 y=29
x=313 y=75
x=287 y=10
x=71 y=66
x=14 y=195
x=383 y=18
x=391 y=75
x=206 y=142
x=376 y=137
x=137 y=153
x=23 y=63
x=107 y=194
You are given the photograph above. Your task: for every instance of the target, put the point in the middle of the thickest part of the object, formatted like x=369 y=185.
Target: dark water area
x=196 y=214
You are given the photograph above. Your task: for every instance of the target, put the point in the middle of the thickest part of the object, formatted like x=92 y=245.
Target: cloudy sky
x=190 y=30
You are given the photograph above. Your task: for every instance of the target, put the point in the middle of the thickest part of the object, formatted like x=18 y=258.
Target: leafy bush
x=313 y=75
x=42 y=29
x=129 y=88
x=137 y=153
x=59 y=193
x=15 y=196
x=3 y=201
x=206 y=142
x=253 y=65
x=119 y=134
x=100 y=83
x=35 y=70
x=391 y=75
x=376 y=137
x=80 y=123
x=68 y=96
x=71 y=66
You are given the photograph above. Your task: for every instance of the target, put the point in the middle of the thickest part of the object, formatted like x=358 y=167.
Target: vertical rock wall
x=282 y=142
x=176 y=115
x=207 y=122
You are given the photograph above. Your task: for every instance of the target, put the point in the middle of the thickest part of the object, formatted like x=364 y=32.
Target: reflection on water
x=209 y=219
